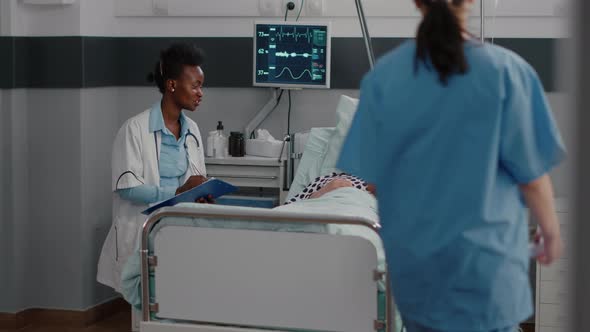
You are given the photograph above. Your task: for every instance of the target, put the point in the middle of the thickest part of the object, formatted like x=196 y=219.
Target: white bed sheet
x=344 y=202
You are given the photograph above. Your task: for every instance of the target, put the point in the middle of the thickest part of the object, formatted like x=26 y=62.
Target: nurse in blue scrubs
x=462 y=139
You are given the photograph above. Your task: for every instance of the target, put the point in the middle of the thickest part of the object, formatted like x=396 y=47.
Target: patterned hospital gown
x=320 y=182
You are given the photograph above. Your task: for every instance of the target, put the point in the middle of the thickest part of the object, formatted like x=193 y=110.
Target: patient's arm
x=340 y=183
x=331 y=186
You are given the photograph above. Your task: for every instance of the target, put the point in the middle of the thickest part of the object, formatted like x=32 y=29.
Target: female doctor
x=466 y=139
x=156 y=154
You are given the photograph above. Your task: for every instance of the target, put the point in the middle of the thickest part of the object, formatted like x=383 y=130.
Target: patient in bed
x=325 y=184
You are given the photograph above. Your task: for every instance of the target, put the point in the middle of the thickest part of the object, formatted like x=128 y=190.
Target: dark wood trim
x=65 y=318
x=12 y=321
x=527 y=327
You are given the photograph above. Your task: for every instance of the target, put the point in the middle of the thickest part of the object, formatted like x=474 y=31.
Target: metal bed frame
x=269 y=216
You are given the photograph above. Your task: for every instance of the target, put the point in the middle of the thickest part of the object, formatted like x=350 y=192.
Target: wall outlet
x=315 y=7
x=270 y=7
x=295 y=10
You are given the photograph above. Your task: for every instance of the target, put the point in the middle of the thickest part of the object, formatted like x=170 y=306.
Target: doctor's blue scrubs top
x=447 y=162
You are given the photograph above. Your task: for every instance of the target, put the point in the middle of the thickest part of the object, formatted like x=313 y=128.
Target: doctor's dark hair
x=172 y=61
x=440 y=40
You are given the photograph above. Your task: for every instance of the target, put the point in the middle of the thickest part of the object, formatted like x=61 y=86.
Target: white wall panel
x=522 y=8
x=11 y=22
x=332 y=8
x=233 y=18
x=36 y=20
x=99 y=122
x=54 y=273
x=386 y=18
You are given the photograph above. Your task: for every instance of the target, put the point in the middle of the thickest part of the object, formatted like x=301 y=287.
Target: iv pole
x=365 y=31
x=482 y=20
x=367 y=38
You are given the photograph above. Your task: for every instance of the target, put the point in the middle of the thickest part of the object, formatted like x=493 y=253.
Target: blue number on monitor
x=291 y=54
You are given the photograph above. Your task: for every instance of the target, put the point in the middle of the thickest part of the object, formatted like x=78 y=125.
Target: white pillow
x=345 y=113
x=311 y=161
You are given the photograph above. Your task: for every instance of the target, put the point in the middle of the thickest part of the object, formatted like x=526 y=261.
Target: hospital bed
x=210 y=268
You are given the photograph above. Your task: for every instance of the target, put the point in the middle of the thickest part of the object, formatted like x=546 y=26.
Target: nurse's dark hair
x=440 y=40
x=172 y=61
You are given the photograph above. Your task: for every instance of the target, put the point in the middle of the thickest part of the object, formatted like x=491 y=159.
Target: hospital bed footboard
x=214 y=279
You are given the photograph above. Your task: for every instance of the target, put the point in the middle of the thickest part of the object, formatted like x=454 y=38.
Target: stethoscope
x=188 y=134
x=186 y=138
x=194 y=168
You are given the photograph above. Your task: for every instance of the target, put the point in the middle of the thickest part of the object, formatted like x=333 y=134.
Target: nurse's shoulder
x=499 y=69
x=512 y=64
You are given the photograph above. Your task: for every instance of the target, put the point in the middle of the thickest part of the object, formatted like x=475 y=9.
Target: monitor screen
x=292 y=55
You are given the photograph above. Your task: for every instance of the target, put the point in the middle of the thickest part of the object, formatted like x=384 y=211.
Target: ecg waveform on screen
x=293 y=76
x=281 y=34
x=292 y=54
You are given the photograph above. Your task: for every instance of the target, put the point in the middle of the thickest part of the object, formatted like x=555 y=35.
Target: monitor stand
x=263 y=113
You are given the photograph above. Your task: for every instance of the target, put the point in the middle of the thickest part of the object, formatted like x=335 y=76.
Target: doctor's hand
x=193 y=181
x=206 y=200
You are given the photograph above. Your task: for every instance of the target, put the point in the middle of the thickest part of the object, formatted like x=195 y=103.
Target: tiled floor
x=120 y=322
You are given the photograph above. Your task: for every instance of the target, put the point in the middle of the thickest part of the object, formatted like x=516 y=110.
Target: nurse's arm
x=538 y=195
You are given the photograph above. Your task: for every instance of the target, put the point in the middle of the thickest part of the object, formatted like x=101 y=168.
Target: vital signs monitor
x=292 y=55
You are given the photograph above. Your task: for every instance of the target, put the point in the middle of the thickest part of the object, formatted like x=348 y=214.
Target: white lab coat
x=135 y=162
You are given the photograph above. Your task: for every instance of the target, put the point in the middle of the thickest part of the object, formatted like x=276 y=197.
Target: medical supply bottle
x=220 y=143
x=236 y=144
x=210 y=143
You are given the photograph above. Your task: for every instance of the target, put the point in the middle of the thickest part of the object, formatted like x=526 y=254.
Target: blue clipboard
x=213 y=187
